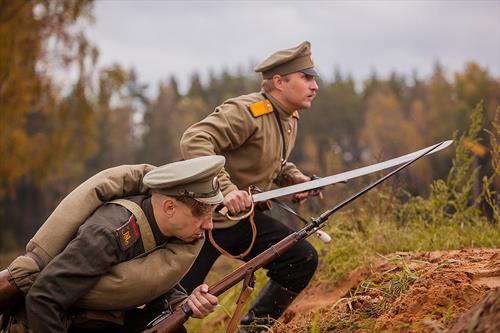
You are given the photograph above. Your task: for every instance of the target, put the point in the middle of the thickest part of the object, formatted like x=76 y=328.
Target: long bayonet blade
x=341 y=177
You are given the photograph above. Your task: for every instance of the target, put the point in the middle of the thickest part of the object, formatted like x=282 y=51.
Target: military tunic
x=255 y=147
x=255 y=155
x=86 y=258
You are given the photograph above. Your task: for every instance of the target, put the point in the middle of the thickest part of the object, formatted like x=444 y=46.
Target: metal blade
x=346 y=175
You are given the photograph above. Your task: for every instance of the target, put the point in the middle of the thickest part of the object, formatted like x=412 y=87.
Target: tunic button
x=289 y=131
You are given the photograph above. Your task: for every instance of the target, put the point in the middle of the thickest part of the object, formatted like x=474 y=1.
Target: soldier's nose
x=208 y=224
x=314 y=85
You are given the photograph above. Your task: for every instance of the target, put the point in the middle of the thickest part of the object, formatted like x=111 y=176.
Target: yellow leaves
x=34 y=34
x=477 y=148
x=473 y=84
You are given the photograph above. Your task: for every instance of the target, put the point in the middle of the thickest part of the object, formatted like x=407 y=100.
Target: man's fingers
x=243 y=200
x=317 y=193
x=208 y=297
x=247 y=200
x=238 y=201
x=302 y=195
x=194 y=308
x=212 y=299
x=201 y=305
x=201 y=302
x=230 y=206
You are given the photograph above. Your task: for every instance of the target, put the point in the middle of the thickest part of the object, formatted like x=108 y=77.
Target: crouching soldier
x=94 y=262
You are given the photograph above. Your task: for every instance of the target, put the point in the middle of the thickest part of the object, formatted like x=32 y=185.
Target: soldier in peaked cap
x=256 y=133
x=103 y=267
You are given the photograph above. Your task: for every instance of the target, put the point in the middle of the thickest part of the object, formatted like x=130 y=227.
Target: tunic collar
x=147 y=207
x=282 y=111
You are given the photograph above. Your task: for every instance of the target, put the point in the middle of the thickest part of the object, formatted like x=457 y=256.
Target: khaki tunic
x=253 y=146
x=90 y=255
x=169 y=262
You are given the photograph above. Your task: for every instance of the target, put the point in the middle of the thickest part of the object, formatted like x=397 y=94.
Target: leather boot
x=271 y=302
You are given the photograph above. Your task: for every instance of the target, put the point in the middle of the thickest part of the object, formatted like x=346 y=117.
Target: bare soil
x=405 y=292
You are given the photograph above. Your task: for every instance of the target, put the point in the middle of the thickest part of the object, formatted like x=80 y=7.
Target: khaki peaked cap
x=295 y=59
x=195 y=178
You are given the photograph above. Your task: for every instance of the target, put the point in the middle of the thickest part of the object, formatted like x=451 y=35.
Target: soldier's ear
x=278 y=82
x=168 y=207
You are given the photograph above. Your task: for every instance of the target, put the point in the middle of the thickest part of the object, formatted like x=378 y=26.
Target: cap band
x=296 y=65
x=194 y=195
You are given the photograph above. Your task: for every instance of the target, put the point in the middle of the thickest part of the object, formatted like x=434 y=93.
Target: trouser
x=293 y=269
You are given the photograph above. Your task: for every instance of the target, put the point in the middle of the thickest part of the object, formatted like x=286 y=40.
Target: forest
x=54 y=136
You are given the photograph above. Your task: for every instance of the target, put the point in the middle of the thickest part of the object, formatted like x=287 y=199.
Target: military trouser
x=293 y=269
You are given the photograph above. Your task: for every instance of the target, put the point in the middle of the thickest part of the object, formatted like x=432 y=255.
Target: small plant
x=314 y=322
x=491 y=196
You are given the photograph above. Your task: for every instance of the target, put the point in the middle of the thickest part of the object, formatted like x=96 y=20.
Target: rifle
x=169 y=322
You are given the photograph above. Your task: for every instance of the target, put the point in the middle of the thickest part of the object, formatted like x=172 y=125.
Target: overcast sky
x=163 y=38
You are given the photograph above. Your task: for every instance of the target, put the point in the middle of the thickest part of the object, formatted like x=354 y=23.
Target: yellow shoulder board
x=296 y=114
x=261 y=107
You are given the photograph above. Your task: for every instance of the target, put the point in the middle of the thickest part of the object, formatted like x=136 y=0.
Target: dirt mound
x=483 y=317
x=405 y=292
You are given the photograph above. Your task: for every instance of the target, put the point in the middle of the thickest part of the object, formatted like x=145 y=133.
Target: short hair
x=268 y=85
x=197 y=208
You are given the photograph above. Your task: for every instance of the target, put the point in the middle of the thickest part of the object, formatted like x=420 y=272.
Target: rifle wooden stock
x=173 y=321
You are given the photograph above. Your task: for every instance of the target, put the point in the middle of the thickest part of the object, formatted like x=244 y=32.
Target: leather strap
x=246 y=291
x=148 y=240
x=241 y=255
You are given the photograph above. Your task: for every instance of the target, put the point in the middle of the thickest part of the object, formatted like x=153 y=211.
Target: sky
x=163 y=38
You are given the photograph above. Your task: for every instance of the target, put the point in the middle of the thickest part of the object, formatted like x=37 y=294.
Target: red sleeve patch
x=127 y=234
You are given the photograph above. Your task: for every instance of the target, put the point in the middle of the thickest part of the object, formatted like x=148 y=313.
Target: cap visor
x=310 y=71
x=215 y=200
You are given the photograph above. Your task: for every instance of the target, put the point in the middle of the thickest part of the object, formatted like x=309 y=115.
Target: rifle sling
x=246 y=291
x=148 y=240
x=247 y=251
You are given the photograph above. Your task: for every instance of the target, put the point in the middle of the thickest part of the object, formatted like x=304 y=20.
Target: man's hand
x=201 y=302
x=237 y=201
x=302 y=196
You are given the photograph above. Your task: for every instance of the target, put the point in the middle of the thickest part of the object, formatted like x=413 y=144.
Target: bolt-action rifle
x=169 y=322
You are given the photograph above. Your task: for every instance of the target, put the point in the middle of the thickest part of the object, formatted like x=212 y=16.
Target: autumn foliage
x=63 y=118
